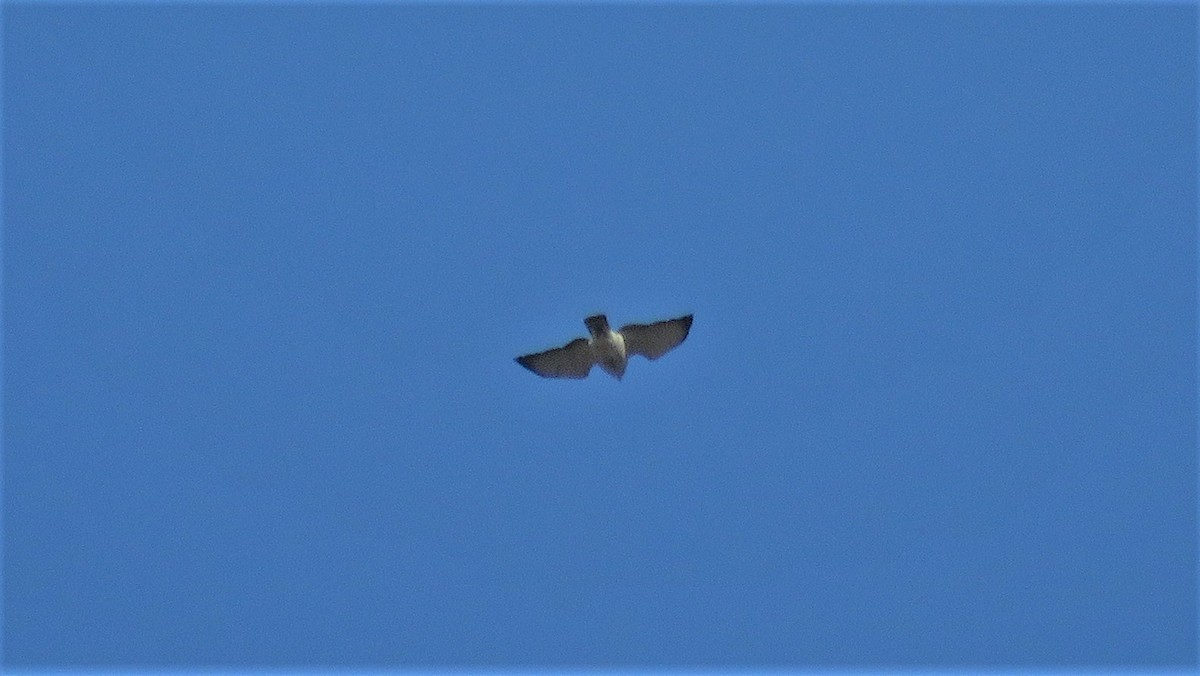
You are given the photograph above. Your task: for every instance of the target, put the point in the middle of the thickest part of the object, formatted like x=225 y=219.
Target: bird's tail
x=597 y=324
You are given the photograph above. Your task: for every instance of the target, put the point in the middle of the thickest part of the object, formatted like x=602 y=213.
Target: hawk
x=610 y=349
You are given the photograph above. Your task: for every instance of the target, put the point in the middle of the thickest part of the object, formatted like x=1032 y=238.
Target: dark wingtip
x=527 y=362
x=687 y=328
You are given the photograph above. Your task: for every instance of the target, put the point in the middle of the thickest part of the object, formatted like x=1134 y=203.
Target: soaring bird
x=610 y=349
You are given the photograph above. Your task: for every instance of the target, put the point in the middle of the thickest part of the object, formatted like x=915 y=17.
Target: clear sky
x=266 y=268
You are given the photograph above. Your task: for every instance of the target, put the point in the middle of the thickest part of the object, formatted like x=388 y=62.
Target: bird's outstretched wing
x=654 y=340
x=573 y=360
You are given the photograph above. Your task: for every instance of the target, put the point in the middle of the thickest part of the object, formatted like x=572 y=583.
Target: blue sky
x=266 y=268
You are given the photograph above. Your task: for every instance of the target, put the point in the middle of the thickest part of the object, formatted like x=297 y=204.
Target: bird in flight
x=610 y=349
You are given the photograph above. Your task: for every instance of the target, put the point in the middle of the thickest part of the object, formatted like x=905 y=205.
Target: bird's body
x=607 y=345
x=610 y=349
